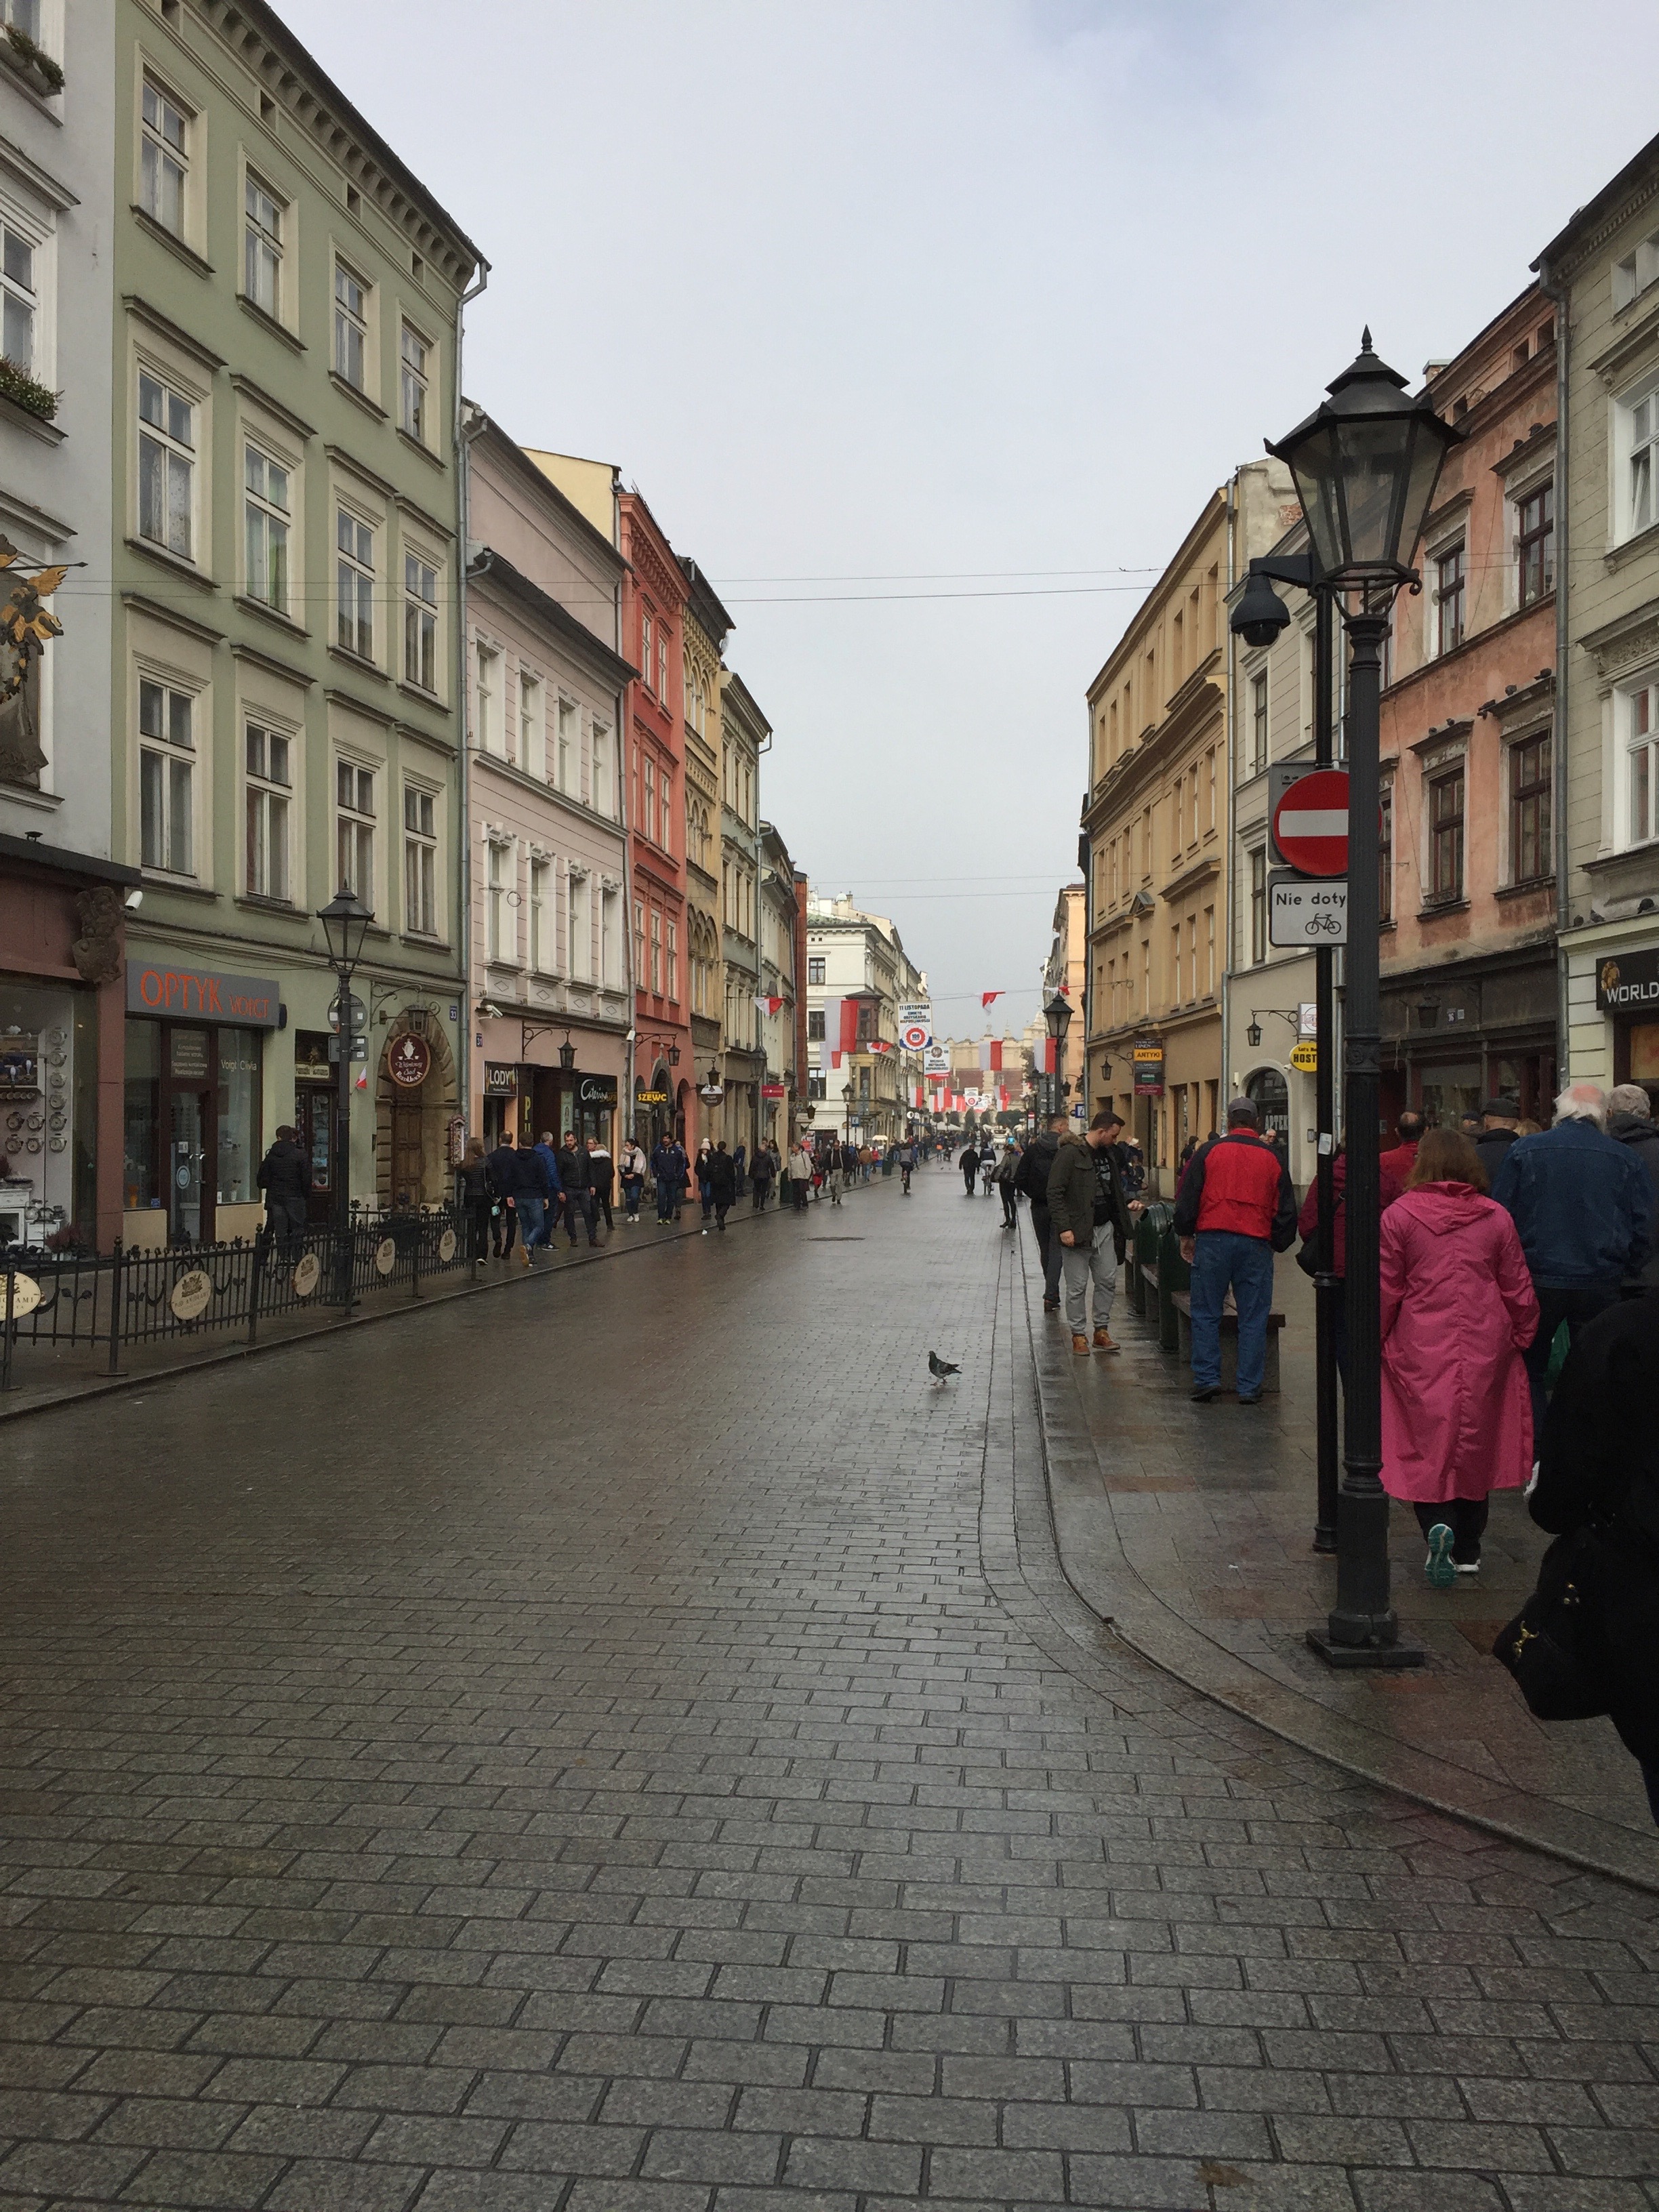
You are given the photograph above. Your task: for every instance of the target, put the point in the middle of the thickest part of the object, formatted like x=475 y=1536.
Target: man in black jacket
x=285 y=1178
x=722 y=1183
x=1630 y=1119
x=1033 y=1180
x=1500 y=1128
x=576 y=1175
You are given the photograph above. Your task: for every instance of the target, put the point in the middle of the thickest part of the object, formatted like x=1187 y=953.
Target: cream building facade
x=1603 y=271
x=1155 y=827
x=706 y=626
x=855 y=956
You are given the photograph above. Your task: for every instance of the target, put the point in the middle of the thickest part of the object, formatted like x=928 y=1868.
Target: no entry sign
x=1310 y=822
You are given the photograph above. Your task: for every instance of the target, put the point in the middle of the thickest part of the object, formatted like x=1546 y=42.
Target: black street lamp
x=1365 y=464
x=346 y=925
x=1058 y=1015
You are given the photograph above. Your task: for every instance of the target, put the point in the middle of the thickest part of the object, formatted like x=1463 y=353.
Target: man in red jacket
x=1234 y=1209
x=1402 y=1159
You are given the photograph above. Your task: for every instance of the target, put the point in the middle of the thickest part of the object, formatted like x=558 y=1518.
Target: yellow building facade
x=1155 y=826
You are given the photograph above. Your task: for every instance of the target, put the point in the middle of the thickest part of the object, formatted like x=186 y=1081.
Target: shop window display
x=48 y=1115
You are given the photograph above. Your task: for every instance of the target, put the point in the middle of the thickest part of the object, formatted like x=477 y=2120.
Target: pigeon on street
x=940 y=1368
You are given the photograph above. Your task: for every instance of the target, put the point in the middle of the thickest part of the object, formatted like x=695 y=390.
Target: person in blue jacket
x=669 y=1165
x=1580 y=1205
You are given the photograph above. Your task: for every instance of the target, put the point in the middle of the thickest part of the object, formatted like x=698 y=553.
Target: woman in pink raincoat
x=1457 y=1308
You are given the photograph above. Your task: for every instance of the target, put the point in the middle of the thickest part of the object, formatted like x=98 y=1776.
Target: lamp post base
x=1350 y=1655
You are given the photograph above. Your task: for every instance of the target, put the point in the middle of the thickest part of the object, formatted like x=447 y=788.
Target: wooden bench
x=1182 y=1301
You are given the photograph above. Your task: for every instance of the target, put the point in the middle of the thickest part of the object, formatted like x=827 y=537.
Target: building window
x=645 y=649
x=265 y=484
x=1209 y=951
x=486 y=726
x=665 y=792
x=610 y=936
x=164 y=160
x=1258 y=722
x=815 y=1024
x=1644 y=770
x=674 y=960
x=355 y=586
x=1258 y=906
x=167 y=777
x=866 y=1028
x=648 y=812
x=639 y=944
x=579 y=927
x=166 y=465
x=1529 y=808
x=1209 y=781
x=420 y=862
x=1641 y=426
x=17 y=299
x=496 y=887
x=1536 y=544
x=567 y=756
x=1446 y=835
x=268 y=795
x=815 y=968
x=1192 y=956
x=1385 y=855
x=354 y=812
x=656 y=951
x=350 y=326
x=262 y=247
x=604 y=790
x=531 y=750
x=1448 y=589
x=541 y=950
x=662 y=665
x=420 y=622
x=412 y=385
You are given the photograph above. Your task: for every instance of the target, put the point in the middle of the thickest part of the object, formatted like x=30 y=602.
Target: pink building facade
x=550 y=1002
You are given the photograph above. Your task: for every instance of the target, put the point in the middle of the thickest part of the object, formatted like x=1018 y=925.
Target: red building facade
x=654 y=589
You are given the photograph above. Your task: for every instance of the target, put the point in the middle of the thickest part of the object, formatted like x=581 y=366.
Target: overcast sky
x=959 y=311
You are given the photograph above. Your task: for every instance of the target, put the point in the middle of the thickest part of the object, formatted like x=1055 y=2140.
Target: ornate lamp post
x=1058 y=1015
x=345 y=923
x=1365 y=464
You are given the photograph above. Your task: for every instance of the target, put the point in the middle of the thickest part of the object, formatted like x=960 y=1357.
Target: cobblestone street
x=552 y=1755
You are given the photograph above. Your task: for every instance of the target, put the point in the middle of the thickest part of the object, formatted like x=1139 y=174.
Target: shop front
x=317 y=1115
x=192 y=1117
x=61 y=950
x=1627 y=998
x=1453 y=1036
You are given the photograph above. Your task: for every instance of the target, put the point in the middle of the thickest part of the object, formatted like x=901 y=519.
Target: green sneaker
x=1438 y=1565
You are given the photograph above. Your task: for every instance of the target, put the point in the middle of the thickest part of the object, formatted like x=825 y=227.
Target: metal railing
x=53 y=1302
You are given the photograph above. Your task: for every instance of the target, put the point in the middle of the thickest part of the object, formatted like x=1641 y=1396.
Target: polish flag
x=1045 y=1057
x=985 y=997
x=990 y=1055
x=767 y=1005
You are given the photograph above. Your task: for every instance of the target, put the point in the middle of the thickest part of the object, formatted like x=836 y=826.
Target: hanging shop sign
x=457 y=1141
x=1628 y=982
x=773 y=1090
x=154 y=989
x=500 y=1082
x=409 y=1062
x=1305 y=1056
x=1148 y=1061
x=596 y=1090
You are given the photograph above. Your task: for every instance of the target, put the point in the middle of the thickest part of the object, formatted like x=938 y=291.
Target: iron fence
x=57 y=1302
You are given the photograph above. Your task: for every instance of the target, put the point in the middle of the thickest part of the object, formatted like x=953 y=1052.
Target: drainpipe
x=1230 y=759
x=463 y=796
x=1561 y=298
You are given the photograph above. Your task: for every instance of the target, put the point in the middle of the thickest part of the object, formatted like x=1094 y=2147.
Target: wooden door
x=406 y=1158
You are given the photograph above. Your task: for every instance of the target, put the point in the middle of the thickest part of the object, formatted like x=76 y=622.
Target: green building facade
x=286 y=711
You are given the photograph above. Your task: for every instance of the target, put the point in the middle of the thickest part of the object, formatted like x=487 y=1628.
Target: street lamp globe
x=346 y=925
x=1058 y=1015
x=1365 y=464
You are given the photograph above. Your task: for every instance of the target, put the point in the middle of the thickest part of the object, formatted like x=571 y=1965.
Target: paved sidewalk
x=1191 y=1526
x=679 y=1778
x=45 y=1376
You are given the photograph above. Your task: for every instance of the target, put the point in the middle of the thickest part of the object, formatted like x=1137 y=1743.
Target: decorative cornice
x=290 y=421
x=164 y=326
x=1626 y=643
x=1639 y=338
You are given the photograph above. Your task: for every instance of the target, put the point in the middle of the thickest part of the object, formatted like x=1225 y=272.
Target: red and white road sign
x=1311 y=823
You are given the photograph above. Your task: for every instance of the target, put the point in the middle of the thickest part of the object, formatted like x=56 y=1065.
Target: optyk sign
x=192 y=994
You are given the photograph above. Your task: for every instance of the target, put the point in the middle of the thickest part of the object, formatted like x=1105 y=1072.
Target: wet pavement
x=630 y=1744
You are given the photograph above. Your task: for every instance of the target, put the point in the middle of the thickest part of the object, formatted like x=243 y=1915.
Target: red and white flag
x=767 y=1005
x=990 y=1055
x=985 y=997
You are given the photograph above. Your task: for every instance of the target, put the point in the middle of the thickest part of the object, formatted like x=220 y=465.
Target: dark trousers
x=668 y=1198
x=799 y=1190
x=762 y=1185
x=722 y=1207
x=477 y=1217
x=1049 y=1250
x=506 y=1229
x=1576 y=1308
x=1010 y=1201
x=1467 y=1519
x=578 y=1205
x=284 y=1226
x=969 y=1176
x=600 y=1202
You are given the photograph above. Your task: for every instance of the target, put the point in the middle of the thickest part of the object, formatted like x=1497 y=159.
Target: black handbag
x=1307 y=1256
x=1551 y=1645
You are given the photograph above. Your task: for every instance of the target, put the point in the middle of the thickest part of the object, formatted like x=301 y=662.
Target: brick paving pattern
x=629 y=1748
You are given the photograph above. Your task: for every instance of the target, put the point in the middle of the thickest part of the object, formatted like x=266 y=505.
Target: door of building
x=188 y=1121
x=314 y=1109
x=406 y=1155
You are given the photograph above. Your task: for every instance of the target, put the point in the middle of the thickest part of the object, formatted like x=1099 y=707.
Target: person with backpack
x=722 y=1183
x=1034 y=1169
x=1005 y=1175
x=1090 y=1216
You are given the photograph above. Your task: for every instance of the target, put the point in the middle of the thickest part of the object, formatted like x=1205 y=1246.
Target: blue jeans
x=1222 y=1256
x=668 y=1196
x=532 y=1220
